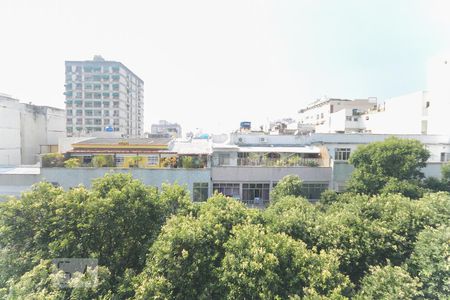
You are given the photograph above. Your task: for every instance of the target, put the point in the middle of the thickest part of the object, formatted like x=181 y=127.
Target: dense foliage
x=377 y=243
x=378 y=163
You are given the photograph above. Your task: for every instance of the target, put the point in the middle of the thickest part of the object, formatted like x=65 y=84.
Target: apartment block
x=103 y=96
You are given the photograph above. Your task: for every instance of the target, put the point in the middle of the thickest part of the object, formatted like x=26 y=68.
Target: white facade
x=406 y=114
x=103 y=96
x=330 y=115
x=439 y=86
x=28 y=130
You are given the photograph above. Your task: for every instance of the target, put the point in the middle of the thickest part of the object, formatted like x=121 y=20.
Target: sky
x=209 y=64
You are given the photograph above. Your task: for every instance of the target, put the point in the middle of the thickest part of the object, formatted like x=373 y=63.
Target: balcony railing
x=277 y=162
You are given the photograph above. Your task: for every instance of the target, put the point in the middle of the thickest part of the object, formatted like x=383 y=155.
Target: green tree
x=294 y=216
x=183 y=262
x=445 y=170
x=406 y=188
x=376 y=163
x=290 y=185
x=264 y=265
x=390 y=283
x=116 y=221
x=430 y=262
x=368 y=231
x=72 y=163
x=327 y=198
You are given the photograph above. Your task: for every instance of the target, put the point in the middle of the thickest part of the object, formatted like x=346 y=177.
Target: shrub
x=72 y=163
x=52 y=160
x=99 y=161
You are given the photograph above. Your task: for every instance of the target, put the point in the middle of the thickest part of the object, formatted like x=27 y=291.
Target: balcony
x=278 y=162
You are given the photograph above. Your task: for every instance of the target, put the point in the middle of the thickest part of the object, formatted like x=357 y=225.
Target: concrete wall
x=10 y=145
x=267 y=174
x=68 y=178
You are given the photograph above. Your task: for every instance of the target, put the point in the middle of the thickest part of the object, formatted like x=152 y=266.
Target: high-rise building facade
x=103 y=95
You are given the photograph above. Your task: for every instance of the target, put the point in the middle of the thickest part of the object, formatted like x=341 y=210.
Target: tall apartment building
x=103 y=95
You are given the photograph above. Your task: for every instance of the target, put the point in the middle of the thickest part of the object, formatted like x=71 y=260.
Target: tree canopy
x=378 y=163
x=156 y=244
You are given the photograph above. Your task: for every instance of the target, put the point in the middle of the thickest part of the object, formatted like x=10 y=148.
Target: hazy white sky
x=210 y=64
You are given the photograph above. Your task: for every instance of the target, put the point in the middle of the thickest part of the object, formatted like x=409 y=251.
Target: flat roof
x=128 y=141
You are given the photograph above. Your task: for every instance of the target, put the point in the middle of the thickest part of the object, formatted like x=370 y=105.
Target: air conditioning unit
x=263 y=140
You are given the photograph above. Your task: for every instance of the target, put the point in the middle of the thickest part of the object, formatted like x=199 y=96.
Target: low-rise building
x=28 y=130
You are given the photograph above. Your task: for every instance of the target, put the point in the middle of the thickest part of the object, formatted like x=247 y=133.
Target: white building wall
x=401 y=115
x=24 y=128
x=439 y=86
x=10 y=144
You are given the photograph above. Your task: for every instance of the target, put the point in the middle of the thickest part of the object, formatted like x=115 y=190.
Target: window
x=445 y=156
x=88 y=86
x=79 y=122
x=116 y=122
x=105 y=69
x=69 y=112
x=115 y=77
x=88 y=69
x=78 y=103
x=69 y=102
x=115 y=87
x=355 y=119
x=88 y=104
x=313 y=190
x=228 y=189
x=79 y=95
x=255 y=193
x=106 y=87
x=153 y=160
x=106 y=113
x=68 y=87
x=116 y=113
x=105 y=77
x=87 y=78
x=348 y=118
x=106 y=122
x=321 y=115
x=88 y=95
x=88 y=122
x=224 y=159
x=342 y=153
x=97 y=87
x=97 y=78
x=200 y=191
x=88 y=112
x=79 y=112
x=115 y=69
x=119 y=161
x=97 y=95
x=97 y=104
x=97 y=113
x=79 y=86
x=115 y=95
x=97 y=121
x=116 y=104
x=105 y=95
x=105 y=103
x=69 y=121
